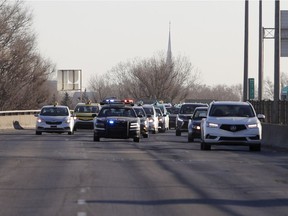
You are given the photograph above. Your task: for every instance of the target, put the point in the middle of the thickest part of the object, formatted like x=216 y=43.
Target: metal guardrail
x=19 y=112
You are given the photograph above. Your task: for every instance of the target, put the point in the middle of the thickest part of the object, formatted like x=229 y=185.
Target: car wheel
x=205 y=146
x=38 y=133
x=96 y=138
x=178 y=132
x=190 y=138
x=136 y=139
x=255 y=147
x=145 y=135
x=70 y=133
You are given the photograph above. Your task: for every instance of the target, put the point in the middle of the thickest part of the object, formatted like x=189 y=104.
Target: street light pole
x=277 y=52
x=260 y=63
x=245 y=81
x=276 y=63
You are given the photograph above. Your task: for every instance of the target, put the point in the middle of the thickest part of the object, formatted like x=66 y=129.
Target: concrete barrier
x=18 y=119
x=275 y=135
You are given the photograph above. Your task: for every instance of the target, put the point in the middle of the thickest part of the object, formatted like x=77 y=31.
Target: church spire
x=169 y=52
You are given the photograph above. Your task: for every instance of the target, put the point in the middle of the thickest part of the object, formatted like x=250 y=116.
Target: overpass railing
x=275 y=111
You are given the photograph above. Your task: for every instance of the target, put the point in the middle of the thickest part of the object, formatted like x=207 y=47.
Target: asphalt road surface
x=164 y=175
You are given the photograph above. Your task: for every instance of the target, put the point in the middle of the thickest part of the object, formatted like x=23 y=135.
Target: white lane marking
x=81 y=202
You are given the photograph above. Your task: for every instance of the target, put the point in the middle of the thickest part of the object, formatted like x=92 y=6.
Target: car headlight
x=67 y=120
x=196 y=127
x=39 y=120
x=252 y=126
x=151 y=120
x=212 y=125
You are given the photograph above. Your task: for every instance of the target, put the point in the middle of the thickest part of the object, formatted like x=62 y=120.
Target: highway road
x=164 y=175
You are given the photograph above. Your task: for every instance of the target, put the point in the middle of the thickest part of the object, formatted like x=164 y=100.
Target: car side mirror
x=261 y=116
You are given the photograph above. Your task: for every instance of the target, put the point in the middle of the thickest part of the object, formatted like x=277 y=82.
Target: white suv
x=231 y=123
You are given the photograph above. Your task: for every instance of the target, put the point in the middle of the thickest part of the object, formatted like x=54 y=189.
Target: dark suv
x=185 y=113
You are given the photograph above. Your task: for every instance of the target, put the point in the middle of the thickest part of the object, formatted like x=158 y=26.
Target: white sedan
x=54 y=119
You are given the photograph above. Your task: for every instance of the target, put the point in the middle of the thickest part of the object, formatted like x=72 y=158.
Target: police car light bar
x=128 y=101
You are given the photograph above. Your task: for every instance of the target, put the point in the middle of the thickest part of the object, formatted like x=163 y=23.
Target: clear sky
x=96 y=35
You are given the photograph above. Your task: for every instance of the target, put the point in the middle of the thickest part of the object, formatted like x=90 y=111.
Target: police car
x=117 y=119
x=54 y=119
x=83 y=114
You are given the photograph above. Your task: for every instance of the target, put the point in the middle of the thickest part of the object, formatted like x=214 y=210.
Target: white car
x=231 y=123
x=153 y=121
x=54 y=119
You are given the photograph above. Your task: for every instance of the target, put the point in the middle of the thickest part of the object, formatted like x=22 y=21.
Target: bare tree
x=268 y=89
x=284 y=80
x=23 y=71
x=102 y=87
x=217 y=92
x=154 y=78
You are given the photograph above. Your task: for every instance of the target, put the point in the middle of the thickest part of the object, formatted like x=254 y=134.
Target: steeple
x=169 y=52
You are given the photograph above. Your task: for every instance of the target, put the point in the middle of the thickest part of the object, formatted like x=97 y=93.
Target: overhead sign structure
x=284 y=33
x=69 y=80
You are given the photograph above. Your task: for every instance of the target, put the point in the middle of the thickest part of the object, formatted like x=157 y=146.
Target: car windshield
x=54 y=111
x=162 y=108
x=231 y=111
x=124 y=112
x=86 y=109
x=149 y=110
x=188 y=109
x=199 y=114
x=158 y=111
x=173 y=110
x=140 y=111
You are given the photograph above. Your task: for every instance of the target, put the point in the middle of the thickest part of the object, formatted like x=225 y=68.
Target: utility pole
x=246 y=45
x=260 y=63
x=276 y=63
x=277 y=52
